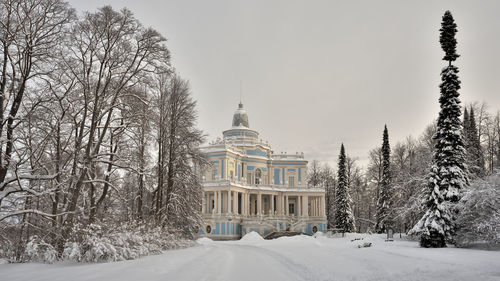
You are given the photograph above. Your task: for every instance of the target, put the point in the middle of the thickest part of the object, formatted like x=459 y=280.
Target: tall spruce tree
x=475 y=158
x=384 y=204
x=466 y=125
x=448 y=173
x=344 y=219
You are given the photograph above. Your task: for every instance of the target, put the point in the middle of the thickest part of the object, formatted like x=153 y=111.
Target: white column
x=279 y=201
x=203 y=202
x=229 y=203
x=246 y=204
x=305 y=211
x=313 y=207
x=259 y=204
x=286 y=206
x=216 y=201
x=313 y=212
x=243 y=204
x=278 y=204
x=299 y=206
x=283 y=202
x=318 y=206
x=235 y=200
x=323 y=205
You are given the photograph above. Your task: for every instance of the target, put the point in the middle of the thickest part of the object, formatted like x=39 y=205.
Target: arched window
x=258 y=176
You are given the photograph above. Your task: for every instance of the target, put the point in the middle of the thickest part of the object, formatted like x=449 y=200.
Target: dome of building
x=240 y=117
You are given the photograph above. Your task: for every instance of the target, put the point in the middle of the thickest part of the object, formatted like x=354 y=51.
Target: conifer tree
x=344 y=218
x=384 y=203
x=475 y=158
x=448 y=173
x=466 y=125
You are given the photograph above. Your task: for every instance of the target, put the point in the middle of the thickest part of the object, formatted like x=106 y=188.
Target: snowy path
x=288 y=258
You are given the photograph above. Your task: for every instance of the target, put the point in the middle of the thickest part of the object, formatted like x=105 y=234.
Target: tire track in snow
x=240 y=262
x=298 y=270
x=201 y=267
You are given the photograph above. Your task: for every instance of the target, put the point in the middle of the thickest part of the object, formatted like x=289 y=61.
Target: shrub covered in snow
x=96 y=243
x=479 y=217
x=39 y=251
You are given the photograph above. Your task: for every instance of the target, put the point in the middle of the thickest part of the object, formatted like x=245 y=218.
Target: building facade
x=246 y=187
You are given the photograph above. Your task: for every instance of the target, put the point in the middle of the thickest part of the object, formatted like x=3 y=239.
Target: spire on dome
x=240 y=117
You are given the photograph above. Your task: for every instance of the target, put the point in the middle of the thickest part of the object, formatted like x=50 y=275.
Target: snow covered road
x=287 y=258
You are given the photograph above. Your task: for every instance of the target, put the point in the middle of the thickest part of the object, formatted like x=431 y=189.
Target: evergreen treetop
x=447 y=37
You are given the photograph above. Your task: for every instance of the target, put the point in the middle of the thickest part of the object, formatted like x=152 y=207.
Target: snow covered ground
x=286 y=258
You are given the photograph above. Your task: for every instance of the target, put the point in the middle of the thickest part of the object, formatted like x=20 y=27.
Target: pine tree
x=448 y=173
x=344 y=218
x=384 y=203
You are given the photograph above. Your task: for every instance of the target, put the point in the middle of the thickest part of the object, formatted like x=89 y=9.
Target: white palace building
x=246 y=187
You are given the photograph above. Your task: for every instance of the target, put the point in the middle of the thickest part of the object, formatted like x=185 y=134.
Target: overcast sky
x=318 y=73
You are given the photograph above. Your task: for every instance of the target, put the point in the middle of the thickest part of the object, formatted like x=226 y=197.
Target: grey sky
x=317 y=73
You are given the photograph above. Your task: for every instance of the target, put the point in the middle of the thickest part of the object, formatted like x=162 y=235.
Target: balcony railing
x=290 y=217
x=286 y=156
x=243 y=182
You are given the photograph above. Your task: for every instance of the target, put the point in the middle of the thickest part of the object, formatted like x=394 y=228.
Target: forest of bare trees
x=96 y=131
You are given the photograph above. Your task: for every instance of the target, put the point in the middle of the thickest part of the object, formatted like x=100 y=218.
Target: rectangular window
x=276 y=176
x=214 y=174
x=291 y=208
x=291 y=181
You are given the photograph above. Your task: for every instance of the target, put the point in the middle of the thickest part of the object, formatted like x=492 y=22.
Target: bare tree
x=314 y=174
x=178 y=194
x=111 y=54
x=30 y=32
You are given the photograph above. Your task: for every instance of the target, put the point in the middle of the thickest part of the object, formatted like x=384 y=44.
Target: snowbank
x=252 y=237
x=204 y=241
x=319 y=234
x=296 y=238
